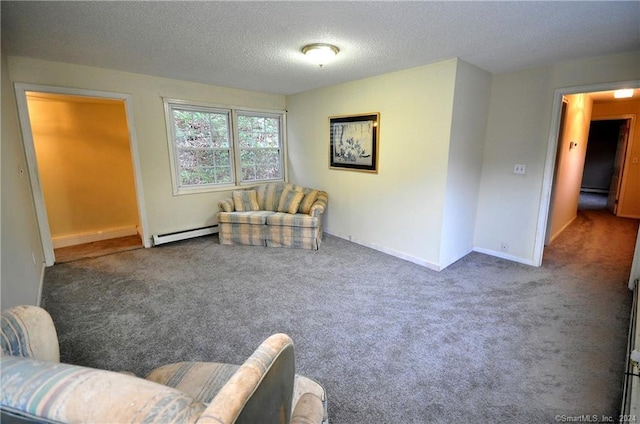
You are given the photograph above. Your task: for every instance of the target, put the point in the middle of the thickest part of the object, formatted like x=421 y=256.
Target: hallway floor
x=97 y=248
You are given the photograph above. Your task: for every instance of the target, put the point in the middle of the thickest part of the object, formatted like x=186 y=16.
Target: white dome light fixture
x=320 y=53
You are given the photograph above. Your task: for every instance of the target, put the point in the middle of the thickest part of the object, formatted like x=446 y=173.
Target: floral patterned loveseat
x=274 y=215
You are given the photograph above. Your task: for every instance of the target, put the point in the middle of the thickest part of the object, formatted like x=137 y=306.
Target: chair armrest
x=29 y=332
x=42 y=391
x=320 y=204
x=226 y=205
x=261 y=390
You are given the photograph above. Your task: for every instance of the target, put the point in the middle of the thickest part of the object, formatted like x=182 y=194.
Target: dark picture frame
x=354 y=141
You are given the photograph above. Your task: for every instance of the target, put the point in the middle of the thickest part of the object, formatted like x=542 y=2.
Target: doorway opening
x=566 y=158
x=603 y=166
x=82 y=159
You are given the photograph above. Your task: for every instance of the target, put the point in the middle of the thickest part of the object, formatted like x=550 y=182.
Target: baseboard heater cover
x=183 y=235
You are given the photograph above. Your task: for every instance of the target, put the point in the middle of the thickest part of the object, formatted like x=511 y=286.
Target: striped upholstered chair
x=36 y=387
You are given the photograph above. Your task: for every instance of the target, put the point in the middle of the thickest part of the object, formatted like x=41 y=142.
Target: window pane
x=205 y=158
x=188 y=176
x=224 y=175
x=204 y=149
x=259 y=140
x=221 y=158
x=267 y=172
x=188 y=158
x=201 y=129
x=260 y=164
x=258 y=131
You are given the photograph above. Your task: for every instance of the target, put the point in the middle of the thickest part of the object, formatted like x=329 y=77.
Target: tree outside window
x=204 y=147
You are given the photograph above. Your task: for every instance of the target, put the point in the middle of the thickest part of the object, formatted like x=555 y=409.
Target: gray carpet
x=485 y=340
x=592 y=200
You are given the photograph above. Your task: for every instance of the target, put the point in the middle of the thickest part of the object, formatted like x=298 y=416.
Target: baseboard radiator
x=183 y=235
x=631 y=386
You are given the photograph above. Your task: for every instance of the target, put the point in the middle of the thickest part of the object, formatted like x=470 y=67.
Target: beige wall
x=470 y=110
x=572 y=150
x=518 y=131
x=629 y=205
x=22 y=255
x=85 y=165
x=432 y=121
x=399 y=209
x=165 y=212
x=22 y=262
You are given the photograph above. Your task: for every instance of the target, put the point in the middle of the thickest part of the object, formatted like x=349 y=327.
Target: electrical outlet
x=520 y=168
x=504 y=247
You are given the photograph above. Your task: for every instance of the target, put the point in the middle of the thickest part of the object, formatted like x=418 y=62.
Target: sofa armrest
x=320 y=204
x=226 y=205
x=29 y=332
x=261 y=390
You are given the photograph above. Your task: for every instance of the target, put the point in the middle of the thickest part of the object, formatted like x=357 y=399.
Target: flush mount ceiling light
x=623 y=94
x=320 y=53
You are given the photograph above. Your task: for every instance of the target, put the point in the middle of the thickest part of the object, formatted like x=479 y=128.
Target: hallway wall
x=85 y=166
x=572 y=150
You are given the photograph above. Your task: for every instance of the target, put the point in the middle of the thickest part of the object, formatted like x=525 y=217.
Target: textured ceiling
x=256 y=45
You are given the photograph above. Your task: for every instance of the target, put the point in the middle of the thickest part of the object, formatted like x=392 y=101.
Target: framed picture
x=353 y=142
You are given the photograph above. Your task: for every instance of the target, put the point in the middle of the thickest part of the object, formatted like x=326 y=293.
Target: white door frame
x=21 y=90
x=552 y=146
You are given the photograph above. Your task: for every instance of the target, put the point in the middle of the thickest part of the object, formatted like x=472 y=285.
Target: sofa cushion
x=297 y=237
x=290 y=199
x=200 y=380
x=309 y=198
x=245 y=200
x=255 y=217
x=293 y=220
x=269 y=196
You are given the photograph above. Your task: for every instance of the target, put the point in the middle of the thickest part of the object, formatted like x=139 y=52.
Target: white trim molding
x=21 y=90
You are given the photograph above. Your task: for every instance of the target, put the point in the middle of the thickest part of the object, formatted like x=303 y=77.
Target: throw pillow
x=290 y=199
x=307 y=201
x=245 y=200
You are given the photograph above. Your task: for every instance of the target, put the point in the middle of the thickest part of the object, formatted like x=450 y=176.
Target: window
x=213 y=148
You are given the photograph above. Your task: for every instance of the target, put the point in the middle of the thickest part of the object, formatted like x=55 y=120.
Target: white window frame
x=235 y=159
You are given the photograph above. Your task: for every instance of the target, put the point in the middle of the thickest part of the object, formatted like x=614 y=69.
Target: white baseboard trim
x=395 y=253
x=91 y=236
x=503 y=255
x=560 y=231
x=449 y=261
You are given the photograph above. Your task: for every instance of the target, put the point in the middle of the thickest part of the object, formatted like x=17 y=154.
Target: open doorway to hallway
x=86 y=173
x=586 y=168
x=84 y=170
